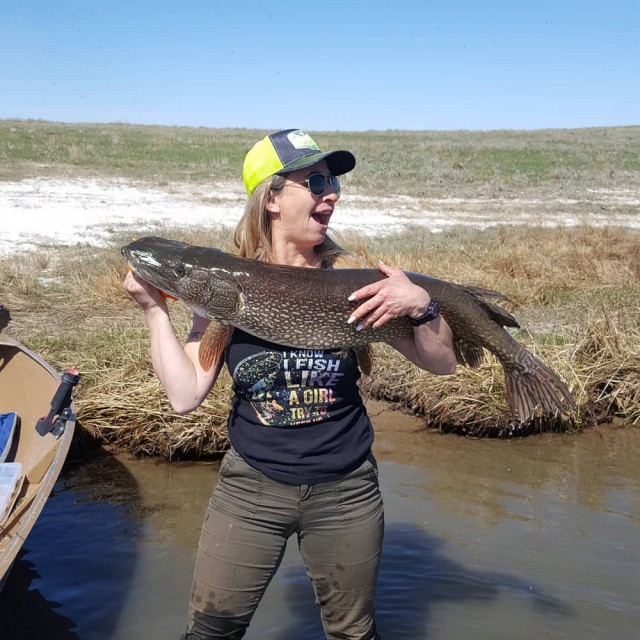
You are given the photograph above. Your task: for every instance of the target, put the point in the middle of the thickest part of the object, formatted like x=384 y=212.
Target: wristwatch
x=432 y=312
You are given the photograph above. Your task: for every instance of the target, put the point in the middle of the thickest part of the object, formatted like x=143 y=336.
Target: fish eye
x=179 y=270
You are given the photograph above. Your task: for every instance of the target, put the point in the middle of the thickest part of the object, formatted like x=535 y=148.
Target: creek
x=525 y=538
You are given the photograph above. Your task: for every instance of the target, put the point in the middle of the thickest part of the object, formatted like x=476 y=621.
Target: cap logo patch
x=301 y=140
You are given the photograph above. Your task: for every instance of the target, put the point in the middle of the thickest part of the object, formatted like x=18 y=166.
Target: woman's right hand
x=145 y=294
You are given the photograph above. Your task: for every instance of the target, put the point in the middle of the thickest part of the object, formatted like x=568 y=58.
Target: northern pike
x=308 y=309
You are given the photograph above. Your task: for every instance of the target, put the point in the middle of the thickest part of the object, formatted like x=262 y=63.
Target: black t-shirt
x=297 y=414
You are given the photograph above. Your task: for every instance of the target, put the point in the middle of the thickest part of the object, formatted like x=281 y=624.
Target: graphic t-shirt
x=297 y=414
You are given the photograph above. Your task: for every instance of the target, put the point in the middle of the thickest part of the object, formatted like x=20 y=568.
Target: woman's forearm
x=431 y=347
x=176 y=365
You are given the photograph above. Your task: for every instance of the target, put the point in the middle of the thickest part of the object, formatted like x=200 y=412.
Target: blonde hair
x=252 y=235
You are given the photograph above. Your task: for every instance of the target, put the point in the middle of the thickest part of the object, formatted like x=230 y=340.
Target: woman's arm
x=431 y=347
x=177 y=366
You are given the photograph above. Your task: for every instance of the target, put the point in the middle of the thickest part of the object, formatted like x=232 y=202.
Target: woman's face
x=297 y=216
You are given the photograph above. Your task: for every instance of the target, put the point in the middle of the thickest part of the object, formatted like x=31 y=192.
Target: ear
x=272 y=205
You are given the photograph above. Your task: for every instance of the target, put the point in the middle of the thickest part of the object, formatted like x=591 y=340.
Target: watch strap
x=432 y=312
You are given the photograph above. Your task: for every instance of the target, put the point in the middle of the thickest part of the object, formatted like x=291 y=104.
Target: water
x=527 y=539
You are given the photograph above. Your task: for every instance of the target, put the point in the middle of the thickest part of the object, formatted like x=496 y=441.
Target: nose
x=330 y=192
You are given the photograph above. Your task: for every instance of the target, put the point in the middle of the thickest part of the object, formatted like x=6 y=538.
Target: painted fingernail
x=351 y=298
x=351 y=320
x=359 y=326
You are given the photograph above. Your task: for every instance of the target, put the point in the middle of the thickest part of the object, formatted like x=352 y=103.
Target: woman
x=300 y=459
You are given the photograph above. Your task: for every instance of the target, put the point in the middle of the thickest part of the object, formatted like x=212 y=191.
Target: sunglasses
x=317 y=183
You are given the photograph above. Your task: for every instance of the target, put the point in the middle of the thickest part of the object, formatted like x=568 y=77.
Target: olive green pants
x=339 y=527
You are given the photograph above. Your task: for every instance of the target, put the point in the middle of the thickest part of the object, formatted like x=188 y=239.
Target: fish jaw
x=152 y=259
x=175 y=269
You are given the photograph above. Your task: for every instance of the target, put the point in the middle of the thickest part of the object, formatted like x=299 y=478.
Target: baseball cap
x=287 y=151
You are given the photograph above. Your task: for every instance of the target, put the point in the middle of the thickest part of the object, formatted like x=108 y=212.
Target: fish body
x=308 y=309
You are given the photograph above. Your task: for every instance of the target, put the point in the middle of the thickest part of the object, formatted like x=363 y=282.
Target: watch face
x=432 y=312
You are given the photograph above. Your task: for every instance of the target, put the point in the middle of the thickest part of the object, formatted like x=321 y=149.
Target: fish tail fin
x=532 y=385
x=213 y=343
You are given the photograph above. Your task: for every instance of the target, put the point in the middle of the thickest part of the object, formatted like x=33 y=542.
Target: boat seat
x=11 y=480
x=8 y=422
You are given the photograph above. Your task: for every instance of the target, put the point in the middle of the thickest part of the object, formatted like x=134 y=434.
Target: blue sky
x=414 y=64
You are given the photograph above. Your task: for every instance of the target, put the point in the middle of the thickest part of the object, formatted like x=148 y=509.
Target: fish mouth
x=144 y=256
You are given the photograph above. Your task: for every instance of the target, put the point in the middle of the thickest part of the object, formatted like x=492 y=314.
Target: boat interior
x=27 y=386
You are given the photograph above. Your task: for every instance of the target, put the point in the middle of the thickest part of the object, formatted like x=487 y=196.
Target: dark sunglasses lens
x=317 y=184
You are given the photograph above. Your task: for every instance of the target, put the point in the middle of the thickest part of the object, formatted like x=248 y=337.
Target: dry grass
x=127 y=407
x=607 y=362
x=575 y=292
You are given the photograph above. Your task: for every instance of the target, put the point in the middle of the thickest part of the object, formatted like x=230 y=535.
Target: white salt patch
x=66 y=212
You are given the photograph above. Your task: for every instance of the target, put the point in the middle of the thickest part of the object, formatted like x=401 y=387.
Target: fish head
x=189 y=273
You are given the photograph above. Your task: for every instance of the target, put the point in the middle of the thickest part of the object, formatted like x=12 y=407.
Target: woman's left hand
x=393 y=297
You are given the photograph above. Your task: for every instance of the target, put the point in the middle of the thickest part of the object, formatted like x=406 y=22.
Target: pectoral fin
x=213 y=343
x=365 y=358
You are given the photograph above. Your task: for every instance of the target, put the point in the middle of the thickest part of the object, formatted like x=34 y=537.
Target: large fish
x=308 y=309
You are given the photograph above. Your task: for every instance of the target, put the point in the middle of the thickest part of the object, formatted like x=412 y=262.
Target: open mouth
x=322 y=219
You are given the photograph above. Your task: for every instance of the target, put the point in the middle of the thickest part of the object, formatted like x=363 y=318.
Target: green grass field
x=391 y=162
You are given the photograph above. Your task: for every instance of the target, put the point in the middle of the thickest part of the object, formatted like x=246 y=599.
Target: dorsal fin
x=496 y=312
